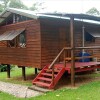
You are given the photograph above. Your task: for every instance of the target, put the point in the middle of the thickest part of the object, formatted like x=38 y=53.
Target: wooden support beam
x=23 y=73
x=75 y=48
x=36 y=70
x=92 y=47
x=78 y=58
x=8 y=71
x=72 y=51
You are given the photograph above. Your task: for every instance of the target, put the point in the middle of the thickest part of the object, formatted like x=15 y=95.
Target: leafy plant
x=3 y=68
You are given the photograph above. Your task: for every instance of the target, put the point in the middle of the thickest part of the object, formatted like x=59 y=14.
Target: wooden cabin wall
x=55 y=34
x=49 y=44
x=54 y=38
x=78 y=43
x=28 y=56
x=78 y=39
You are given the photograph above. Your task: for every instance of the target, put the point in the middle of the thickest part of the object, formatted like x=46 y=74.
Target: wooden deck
x=80 y=66
x=48 y=79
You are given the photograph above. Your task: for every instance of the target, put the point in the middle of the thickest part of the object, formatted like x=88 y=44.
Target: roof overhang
x=77 y=16
x=34 y=15
x=22 y=12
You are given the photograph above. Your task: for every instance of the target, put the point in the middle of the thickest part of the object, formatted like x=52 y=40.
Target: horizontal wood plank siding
x=78 y=39
x=50 y=39
x=56 y=34
x=49 y=44
x=28 y=56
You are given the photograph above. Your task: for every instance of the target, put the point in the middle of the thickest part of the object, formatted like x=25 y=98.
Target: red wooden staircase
x=45 y=79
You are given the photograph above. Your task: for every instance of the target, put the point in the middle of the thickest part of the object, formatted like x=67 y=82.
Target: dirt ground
x=65 y=81
x=80 y=79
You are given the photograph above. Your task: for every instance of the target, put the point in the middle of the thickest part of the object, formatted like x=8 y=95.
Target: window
x=89 y=37
x=14 y=38
x=19 y=41
x=22 y=39
x=11 y=43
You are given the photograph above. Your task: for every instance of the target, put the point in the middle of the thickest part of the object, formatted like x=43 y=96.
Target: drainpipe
x=83 y=41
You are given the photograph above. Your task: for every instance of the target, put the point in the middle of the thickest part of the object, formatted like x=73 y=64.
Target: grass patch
x=94 y=75
x=16 y=76
x=89 y=91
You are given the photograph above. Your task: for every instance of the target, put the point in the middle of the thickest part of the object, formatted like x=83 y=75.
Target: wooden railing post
x=53 y=74
x=64 y=58
x=56 y=58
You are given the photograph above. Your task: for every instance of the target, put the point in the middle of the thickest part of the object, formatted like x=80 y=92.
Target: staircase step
x=50 y=70
x=47 y=74
x=39 y=89
x=43 y=78
x=59 y=67
x=42 y=84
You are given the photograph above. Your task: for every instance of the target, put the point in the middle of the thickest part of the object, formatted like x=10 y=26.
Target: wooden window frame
x=17 y=42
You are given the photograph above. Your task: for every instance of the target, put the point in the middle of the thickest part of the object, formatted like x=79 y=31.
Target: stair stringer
x=57 y=78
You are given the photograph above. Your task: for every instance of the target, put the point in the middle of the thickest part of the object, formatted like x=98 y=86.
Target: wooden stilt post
x=23 y=73
x=8 y=71
x=35 y=70
x=72 y=51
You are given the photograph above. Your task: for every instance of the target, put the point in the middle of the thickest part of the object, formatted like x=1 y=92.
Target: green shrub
x=3 y=68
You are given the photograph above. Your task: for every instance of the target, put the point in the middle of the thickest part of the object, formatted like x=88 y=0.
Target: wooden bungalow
x=48 y=42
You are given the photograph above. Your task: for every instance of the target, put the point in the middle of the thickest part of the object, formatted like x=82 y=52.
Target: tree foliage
x=1 y=8
x=13 y=4
x=18 y=4
x=36 y=7
x=93 y=11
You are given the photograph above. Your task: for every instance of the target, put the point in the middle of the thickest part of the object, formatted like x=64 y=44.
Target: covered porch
x=68 y=55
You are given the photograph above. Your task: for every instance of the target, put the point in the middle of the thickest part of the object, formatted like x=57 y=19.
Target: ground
x=89 y=91
x=87 y=87
x=18 y=90
x=16 y=76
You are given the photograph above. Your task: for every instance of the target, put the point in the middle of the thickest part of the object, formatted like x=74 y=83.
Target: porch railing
x=63 y=51
x=67 y=57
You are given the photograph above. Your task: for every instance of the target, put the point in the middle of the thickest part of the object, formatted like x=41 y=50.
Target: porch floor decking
x=80 y=66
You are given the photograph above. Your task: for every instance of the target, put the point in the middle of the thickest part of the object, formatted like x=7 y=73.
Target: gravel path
x=18 y=90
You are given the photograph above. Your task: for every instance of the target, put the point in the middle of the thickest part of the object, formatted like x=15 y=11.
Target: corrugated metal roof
x=34 y=15
x=22 y=12
x=95 y=34
x=78 y=16
x=10 y=35
x=27 y=13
